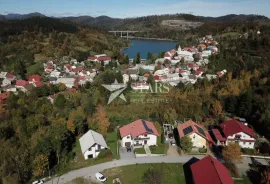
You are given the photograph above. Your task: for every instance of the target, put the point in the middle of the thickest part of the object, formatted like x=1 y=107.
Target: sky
x=135 y=8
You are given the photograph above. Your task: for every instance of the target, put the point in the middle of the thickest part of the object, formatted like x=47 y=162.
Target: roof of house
x=233 y=127
x=191 y=49
x=38 y=83
x=218 y=135
x=210 y=171
x=21 y=82
x=4 y=96
x=191 y=127
x=138 y=127
x=10 y=76
x=103 y=58
x=49 y=67
x=34 y=78
x=92 y=58
x=90 y=138
x=192 y=65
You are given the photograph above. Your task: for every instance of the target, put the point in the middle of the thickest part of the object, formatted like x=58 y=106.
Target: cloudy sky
x=135 y=8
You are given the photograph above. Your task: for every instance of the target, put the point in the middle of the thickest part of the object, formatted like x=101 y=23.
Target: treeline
x=36 y=24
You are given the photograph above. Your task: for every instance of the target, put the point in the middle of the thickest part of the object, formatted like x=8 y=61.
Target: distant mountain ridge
x=15 y=16
x=146 y=22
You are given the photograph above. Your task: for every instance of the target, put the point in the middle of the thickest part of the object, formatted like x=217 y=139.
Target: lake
x=145 y=46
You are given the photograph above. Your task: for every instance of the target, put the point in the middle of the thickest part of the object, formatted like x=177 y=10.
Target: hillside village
x=185 y=65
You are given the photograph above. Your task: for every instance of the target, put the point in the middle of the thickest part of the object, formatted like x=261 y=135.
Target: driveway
x=172 y=151
x=126 y=155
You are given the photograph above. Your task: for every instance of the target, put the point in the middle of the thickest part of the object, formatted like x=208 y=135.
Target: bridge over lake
x=124 y=32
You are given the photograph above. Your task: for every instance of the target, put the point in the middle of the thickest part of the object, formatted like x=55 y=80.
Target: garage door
x=127 y=144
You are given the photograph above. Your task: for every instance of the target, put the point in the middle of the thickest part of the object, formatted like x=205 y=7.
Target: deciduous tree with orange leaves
x=101 y=120
x=40 y=164
x=216 y=108
x=232 y=153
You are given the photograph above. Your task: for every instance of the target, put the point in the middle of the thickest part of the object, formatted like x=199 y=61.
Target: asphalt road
x=90 y=171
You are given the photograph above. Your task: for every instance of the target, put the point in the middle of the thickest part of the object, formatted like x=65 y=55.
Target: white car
x=100 y=177
x=38 y=182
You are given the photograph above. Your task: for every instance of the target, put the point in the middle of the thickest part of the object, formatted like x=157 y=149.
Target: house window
x=145 y=135
x=250 y=143
x=90 y=149
x=194 y=137
x=244 y=143
x=99 y=147
x=128 y=137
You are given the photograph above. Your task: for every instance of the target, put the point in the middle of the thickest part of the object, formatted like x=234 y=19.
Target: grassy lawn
x=132 y=174
x=35 y=69
x=80 y=181
x=232 y=34
x=79 y=161
x=111 y=139
x=140 y=150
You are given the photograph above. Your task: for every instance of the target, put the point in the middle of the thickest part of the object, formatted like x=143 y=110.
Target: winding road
x=90 y=171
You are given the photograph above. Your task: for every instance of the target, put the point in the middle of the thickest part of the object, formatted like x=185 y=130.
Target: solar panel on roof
x=188 y=130
x=146 y=127
x=200 y=130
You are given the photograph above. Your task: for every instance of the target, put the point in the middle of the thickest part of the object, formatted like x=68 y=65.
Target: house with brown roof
x=198 y=134
x=210 y=171
x=139 y=133
x=233 y=131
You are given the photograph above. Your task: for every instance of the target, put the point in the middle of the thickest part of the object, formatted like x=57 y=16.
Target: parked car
x=170 y=135
x=173 y=143
x=38 y=182
x=128 y=148
x=100 y=177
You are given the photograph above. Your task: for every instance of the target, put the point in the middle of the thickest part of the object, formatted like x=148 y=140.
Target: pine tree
x=138 y=58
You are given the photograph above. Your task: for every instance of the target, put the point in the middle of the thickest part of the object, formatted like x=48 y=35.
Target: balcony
x=141 y=138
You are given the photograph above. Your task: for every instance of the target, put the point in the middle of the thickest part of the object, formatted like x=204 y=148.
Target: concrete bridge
x=125 y=32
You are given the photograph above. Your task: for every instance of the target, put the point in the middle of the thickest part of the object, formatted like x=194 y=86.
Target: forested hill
x=45 y=24
x=37 y=39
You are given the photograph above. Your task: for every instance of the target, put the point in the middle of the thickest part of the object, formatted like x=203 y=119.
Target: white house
x=6 y=82
x=91 y=144
x=139 y=133
x=3 y=75
x=188 y=56
x=125 y=78
x=237 y=132
x=140 y=86
x=162 y=71
x=69 y=82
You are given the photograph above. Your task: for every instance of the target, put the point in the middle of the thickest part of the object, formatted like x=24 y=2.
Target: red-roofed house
x=3 y=97
x=139 y=133
x=92 y=58
x=10 y=76
x=190 y=49
x=67 y=67
x=21 y=83
x=199 y=136
x=219 y=138
x=168 y=55
x=34 y=78
x=210 y=171
x=193 y=66
x=38 y=84
x=238 y=132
